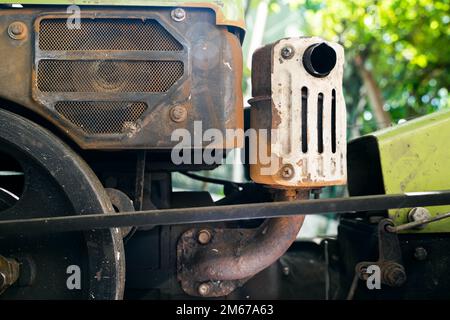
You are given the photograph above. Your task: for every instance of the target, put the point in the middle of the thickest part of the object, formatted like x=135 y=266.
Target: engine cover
x=125 y=78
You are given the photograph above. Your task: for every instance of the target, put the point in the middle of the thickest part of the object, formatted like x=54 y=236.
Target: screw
x=420 y=253
x=17 y=30
x=178 y=114
x=204 y=236
x=178 y=14
x=287 y=52
x=204 y=289
x=286 y=270
x=287 y=172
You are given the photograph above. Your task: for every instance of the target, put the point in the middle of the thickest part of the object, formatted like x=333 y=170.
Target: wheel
x=42 y=177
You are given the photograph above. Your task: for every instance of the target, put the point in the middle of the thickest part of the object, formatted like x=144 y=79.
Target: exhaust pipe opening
x=319 y=60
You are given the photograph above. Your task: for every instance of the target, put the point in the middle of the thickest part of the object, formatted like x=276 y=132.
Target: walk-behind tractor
x=101 y=102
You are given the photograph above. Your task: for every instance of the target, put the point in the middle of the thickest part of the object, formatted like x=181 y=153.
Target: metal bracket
x=390 y=258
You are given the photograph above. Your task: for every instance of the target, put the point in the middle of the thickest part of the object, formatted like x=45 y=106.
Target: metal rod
x=224 y=213
x=418 y=223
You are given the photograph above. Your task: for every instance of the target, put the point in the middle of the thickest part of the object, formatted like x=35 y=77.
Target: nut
x=287 y=172
x=420 y=253
x=17 y=30
x=393 y=275
x=287 y=52
x=418 y=214
x=178 y=14
x=178 y=114
x=204 y=289
x=204 y=236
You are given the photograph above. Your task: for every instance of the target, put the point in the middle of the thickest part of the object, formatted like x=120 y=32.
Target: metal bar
x=415 y=224
x=224 y=213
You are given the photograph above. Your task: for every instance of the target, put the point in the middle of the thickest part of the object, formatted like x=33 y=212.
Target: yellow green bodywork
x=228 y=12
x=415 y=156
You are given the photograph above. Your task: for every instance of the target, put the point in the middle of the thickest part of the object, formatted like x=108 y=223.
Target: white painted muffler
x=298 y=101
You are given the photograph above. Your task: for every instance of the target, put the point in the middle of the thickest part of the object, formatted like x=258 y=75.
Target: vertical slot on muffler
x=305 y=119
x=333 y=121
x=320 y=123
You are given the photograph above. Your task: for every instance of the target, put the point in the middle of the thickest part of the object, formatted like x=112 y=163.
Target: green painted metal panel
x=228 y=12
x=415 y=156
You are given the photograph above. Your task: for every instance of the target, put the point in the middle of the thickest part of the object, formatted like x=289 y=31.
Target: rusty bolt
x=394 y=275
x=287 y=172
x=420 y=253
x=178 y=14
x=178 y=114
x=204 y=289
x=204 y=236
x=287 y=52
x=17 y=30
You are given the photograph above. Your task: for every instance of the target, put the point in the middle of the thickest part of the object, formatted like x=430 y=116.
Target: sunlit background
x=397 y=68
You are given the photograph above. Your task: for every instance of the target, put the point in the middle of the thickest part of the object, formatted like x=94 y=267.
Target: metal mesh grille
x=102 y=117
x=107 y=75
x=106 y=34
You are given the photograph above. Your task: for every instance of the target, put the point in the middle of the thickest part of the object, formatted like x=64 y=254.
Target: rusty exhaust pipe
x=235 y=255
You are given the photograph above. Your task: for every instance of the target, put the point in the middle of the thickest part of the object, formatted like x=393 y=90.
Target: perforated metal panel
x=106 y=34
x=102 y=117
x=107 y=75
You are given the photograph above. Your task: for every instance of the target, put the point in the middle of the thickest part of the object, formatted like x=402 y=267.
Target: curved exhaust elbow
x=232 y=256
x=268 y=244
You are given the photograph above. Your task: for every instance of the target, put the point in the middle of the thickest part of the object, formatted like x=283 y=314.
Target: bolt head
x=394 y=275
x=204 y=289
x=17 y=30
x=178 y=114
x=420 y=253
x=178 y=14
x=204 y=236
x=287 y=52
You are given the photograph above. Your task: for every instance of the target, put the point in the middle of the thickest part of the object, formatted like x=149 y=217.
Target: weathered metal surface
x=121 y=203
x=413 y=156
x=228 y=12
x=232 y=256
x=389 y=258
x=247 y=211
x=9 y=273
x=58 y=181
x=306 y=110
x=79 y=85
